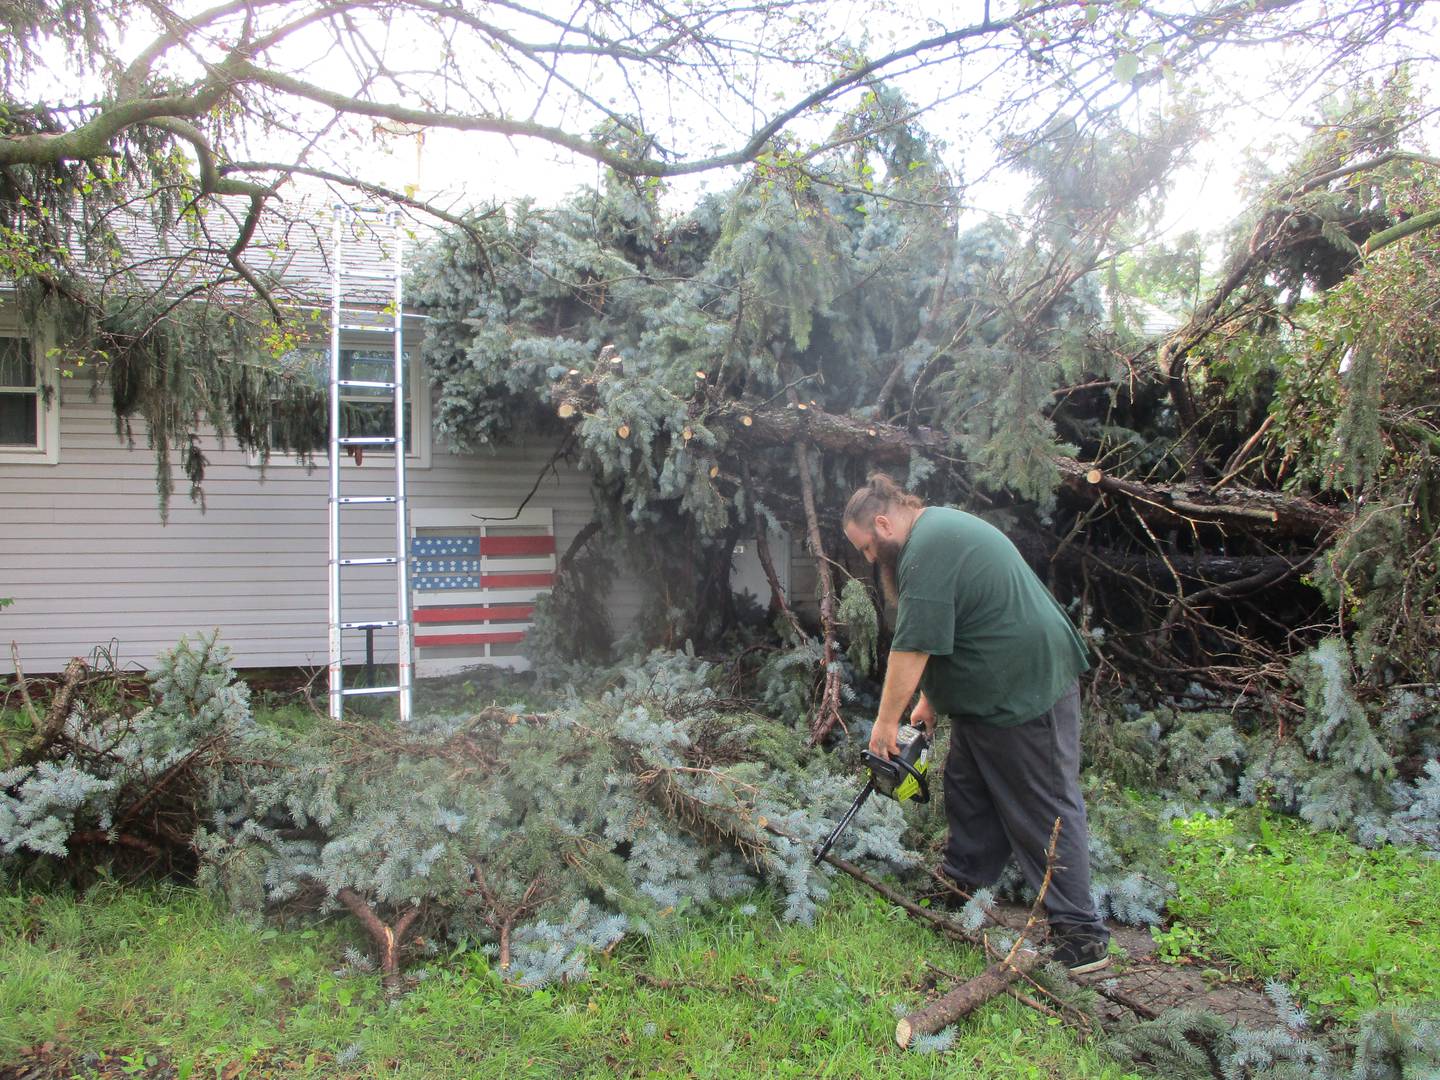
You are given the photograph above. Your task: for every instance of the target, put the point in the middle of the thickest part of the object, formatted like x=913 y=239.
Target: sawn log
x=965 y=998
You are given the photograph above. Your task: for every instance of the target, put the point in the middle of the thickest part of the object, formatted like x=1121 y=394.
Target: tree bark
x=994 y=980
x=827 y=710
x=777 y=594
x=388 y=940
x=55 y=715
x=964 y=999
x=1245 y=509
x=1248 y=510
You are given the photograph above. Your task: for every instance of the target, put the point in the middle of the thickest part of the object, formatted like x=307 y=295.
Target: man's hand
x=923 y=715
x=882 y=738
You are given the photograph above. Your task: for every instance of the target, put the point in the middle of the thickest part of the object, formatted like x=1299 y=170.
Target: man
x=985 y=643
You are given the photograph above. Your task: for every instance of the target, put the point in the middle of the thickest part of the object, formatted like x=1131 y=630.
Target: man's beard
x=887 y=558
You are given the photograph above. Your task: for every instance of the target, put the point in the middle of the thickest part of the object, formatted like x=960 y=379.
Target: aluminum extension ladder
x=370 y=228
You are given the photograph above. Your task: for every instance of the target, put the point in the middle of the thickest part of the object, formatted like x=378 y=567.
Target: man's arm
x=902 y=676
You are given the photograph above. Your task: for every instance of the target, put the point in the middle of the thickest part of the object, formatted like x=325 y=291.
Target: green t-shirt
x=1001 y=649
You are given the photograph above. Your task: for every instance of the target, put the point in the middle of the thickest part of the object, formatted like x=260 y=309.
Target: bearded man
x=983 y=641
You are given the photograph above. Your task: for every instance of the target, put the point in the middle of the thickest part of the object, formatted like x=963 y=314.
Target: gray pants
x=1004 y=788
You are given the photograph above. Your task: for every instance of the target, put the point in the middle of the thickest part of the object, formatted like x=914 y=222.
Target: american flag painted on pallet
x=474 y=576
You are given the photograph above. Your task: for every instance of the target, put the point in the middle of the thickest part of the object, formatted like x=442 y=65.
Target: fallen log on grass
x=992 y=982
x=965 y=998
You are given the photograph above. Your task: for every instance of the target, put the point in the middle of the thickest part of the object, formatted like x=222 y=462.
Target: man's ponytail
x=880 y=495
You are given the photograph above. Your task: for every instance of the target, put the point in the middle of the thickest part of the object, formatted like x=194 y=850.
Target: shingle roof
x=292 y=252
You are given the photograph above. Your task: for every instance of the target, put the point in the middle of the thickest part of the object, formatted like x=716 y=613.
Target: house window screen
x=20 y=395
x=365 y=412
x=371 y=412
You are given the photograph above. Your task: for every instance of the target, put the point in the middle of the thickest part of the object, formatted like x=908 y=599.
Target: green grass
x=733 y=995
x=1348 y=929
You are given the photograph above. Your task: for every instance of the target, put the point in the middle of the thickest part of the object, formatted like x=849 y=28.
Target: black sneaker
x=1080 y=949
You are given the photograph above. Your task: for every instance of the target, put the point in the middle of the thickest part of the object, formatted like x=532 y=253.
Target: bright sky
x=1257 y=119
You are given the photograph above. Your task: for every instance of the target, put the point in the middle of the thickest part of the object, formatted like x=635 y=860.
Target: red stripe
x=516 y=581
x=517 y=545
x=514 y=613
x=428 y=641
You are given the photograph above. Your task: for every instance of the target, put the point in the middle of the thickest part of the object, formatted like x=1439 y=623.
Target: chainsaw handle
x=872 y=760
x=920 y=779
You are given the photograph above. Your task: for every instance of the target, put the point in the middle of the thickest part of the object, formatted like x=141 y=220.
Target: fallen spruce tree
x=1212 y=500
x=540 y=837
x=544 y=837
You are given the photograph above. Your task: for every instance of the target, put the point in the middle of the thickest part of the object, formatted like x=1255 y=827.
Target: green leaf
x=1126 y=67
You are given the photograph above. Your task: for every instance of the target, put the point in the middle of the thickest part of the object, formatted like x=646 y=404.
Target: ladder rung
x=380 y=625
x=362 y=328
x=353 y=691
x=370 y=499
x=367 y=440
x=366 y=385
x=385 y=560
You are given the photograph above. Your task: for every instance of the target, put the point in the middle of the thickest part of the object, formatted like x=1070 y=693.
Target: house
x=88 y=562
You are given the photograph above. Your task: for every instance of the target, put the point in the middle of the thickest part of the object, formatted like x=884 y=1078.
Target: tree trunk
x=964 y=999
x=389 y=941
x=1243 y=509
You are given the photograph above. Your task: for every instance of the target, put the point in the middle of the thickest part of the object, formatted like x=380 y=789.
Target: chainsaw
x=901 y=778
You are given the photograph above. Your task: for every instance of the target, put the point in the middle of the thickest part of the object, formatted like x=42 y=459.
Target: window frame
x=417 y=423
x=46 y=450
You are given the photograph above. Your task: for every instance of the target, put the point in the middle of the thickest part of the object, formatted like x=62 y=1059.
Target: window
x=369 y=412
x=29 y=405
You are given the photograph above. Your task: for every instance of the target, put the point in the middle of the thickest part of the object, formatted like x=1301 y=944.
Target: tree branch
x=93 y=138
x=247 y=71
x=55 y=715
x=466 y=223
x=388 y=940
x=1409 y=227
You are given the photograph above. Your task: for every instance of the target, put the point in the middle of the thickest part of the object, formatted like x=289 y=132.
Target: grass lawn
x=1348 y=929
x=163 y=972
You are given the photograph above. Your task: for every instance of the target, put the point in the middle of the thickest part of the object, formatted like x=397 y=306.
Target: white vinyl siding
x=88 y=562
